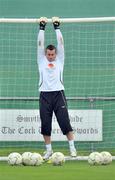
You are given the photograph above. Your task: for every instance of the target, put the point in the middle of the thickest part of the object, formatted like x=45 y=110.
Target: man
x=52 y=98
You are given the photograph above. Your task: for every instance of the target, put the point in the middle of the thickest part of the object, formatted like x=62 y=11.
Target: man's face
x=50 y=54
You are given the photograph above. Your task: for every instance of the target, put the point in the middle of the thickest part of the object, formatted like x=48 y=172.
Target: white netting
x=89 y=74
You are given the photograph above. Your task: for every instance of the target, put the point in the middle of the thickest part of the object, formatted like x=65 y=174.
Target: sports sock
x=71 y=144
x=48 y=147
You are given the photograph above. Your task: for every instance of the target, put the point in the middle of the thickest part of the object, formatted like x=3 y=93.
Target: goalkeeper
x=52 y=99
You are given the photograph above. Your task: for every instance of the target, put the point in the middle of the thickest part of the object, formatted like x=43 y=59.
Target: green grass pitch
x=71 y=170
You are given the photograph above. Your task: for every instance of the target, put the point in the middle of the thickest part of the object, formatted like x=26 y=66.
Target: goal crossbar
x=63 y=20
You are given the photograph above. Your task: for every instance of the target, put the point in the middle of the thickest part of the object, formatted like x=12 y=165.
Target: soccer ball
x=31 y=159
x=95 y=158
x=14 y=159
x=26 y=156
x=35 y=159
x=58 y=158
x=107 y=157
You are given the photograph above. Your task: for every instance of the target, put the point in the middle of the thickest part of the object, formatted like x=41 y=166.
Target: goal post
x=63 y=20
x=89 y=80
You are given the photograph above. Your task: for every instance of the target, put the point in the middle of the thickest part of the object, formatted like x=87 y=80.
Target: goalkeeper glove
x=56 y=22
x=42 y=23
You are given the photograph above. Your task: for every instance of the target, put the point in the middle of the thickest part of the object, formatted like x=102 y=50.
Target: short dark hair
x=51 y=47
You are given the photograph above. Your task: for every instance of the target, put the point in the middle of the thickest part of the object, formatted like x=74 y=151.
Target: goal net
x=89 y=80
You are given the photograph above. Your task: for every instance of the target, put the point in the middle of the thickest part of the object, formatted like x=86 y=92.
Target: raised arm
x=40 y=39
x=60 y=42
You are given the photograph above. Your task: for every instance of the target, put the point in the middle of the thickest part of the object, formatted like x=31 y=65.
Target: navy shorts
x=54 y=102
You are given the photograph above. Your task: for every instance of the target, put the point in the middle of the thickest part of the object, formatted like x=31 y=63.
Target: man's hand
x=56 y=22
x=42 y=23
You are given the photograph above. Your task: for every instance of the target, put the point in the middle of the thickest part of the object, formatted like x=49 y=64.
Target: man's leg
x=47 y=139
x=62 y=116
x=46 y=120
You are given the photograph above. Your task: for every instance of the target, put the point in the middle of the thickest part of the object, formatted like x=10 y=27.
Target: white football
x=57 y=158
x=14 y=159
x=35 y=159
x=95 y=158
x=26 y=157
x=107 y=157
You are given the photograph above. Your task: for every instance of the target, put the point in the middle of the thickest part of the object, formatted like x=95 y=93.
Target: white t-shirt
x=51 y=73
